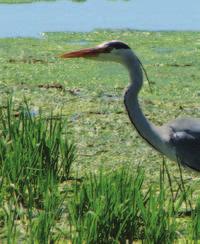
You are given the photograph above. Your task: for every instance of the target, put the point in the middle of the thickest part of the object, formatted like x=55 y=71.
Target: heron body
x=179 y=139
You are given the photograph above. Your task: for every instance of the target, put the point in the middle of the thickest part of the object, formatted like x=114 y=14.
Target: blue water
x=31 y=20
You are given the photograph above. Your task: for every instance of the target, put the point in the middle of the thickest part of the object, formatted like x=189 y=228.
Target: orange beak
x=84 y=53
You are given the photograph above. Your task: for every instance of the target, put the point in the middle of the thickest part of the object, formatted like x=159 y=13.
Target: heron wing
x=185 y=138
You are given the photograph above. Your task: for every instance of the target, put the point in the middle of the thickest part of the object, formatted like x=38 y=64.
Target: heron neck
x=144 y=127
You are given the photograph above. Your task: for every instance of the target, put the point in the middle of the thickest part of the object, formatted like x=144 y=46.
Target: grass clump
x=115 y=208
x=32 y=152
x=159 y=219
x=35 y=158
x=195 y=224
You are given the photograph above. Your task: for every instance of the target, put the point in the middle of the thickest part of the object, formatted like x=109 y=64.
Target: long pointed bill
x=84 y=53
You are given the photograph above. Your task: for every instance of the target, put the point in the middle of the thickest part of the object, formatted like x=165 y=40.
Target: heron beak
x=84 y=53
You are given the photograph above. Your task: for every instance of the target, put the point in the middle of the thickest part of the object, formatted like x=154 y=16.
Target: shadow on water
x=30 y=20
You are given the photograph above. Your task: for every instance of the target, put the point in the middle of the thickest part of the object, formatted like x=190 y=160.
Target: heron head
x=116 y=51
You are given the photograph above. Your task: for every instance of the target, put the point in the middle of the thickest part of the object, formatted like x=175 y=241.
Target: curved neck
x=144 y=127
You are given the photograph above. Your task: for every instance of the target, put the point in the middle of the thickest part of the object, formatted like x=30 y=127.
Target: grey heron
x=179 y=139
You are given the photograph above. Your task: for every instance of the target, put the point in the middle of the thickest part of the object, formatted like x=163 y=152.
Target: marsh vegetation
x=72 y=166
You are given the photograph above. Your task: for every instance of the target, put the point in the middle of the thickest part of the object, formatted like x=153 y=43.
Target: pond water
x=30 y=20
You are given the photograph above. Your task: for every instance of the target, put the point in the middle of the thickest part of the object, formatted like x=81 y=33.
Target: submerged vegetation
x=72 y=166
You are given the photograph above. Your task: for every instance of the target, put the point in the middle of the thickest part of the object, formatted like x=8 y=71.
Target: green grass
x=92 y=94
x=115 y=207
x=56 y=102
x=41 y=203
x=35 y=158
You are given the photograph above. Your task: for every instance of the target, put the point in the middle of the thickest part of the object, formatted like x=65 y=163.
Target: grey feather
x=185 y=138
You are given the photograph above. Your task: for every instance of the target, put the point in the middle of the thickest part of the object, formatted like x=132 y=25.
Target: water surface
x=30 y=20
